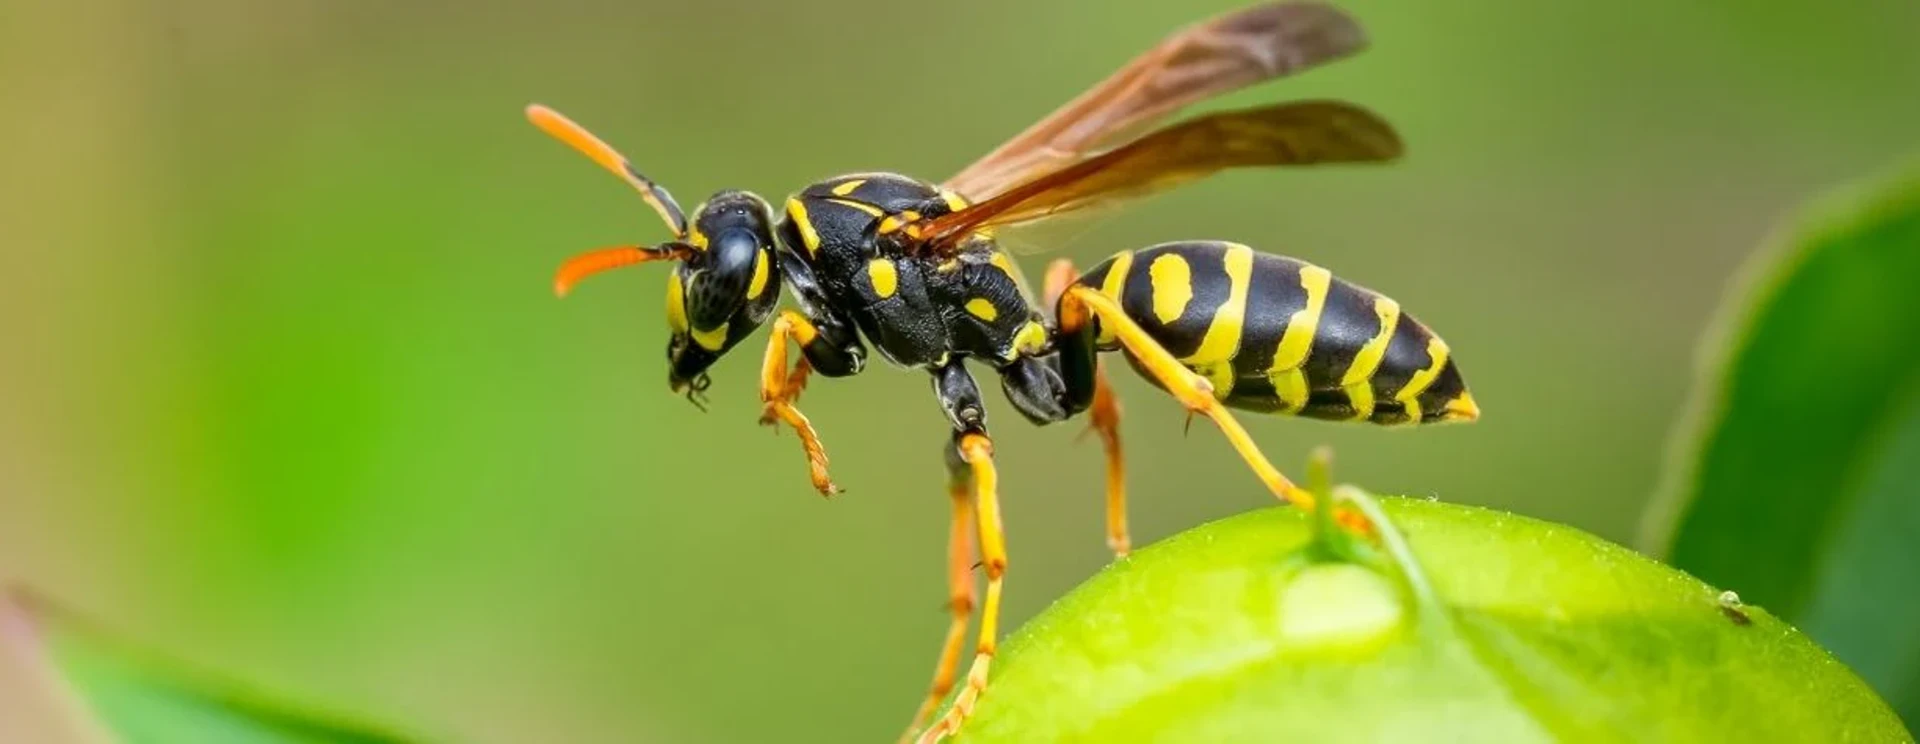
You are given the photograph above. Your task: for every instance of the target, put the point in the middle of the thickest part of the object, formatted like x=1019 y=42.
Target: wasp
x=916 y=270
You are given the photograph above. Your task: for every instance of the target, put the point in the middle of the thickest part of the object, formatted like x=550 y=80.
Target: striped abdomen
x=1278 y=335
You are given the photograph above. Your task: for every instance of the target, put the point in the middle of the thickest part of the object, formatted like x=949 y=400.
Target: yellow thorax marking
x=884 y=276
x=894 y=222
x=871 y=210
x=954 y=201
x=1222 y=341
x=1172 y=281
x=1030 y=340
x=982 y=308
x=848 y=187
x=1000 y=260
x=808 y=238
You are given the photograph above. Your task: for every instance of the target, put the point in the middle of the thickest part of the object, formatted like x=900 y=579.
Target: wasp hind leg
x=1080 y=307
x=826 y=347
x=1103 y=409
x=970 y=464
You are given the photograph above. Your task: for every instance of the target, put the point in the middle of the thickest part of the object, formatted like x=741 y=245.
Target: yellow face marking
x=1111 y=285
x=712 y=339
x=982 y=308
x=1031 y=339
x=849 y=187
x=1409 y=396
x=759 y=283
x=884 y=276
x=870 y=209
x=808 y=238
x=1361 y=395
x=1222 y=341
x=1297 y=342
x=1290 y=386
x=676 y=304
x=1172 y=282
x=1367 y=360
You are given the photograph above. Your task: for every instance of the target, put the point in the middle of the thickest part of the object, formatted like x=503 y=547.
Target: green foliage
x=138 y=699
x=1798 y=482
x=1476 y=626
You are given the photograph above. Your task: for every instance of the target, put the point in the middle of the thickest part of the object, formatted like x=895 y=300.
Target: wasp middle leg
x=826 y=346
x=972 y=463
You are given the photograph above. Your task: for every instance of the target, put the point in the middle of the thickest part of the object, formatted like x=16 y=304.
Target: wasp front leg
x=826 y=346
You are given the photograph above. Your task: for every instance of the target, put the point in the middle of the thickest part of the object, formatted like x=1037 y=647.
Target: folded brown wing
x=1212 y=58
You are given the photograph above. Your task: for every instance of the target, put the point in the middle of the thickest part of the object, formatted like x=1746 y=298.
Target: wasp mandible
x=915 y=270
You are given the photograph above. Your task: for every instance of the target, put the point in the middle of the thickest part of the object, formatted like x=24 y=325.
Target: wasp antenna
x=593 y=262
x=560 y=127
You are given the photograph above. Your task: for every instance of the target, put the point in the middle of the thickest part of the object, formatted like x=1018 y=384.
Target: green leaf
x=1797 y=481
x=1477 y=626
x=137 y=698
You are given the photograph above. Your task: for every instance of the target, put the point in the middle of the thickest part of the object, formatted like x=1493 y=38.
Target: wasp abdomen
x=1279 y=335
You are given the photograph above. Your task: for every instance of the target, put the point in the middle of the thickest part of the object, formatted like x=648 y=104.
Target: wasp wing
x=1295 y=133
x=1212 y=58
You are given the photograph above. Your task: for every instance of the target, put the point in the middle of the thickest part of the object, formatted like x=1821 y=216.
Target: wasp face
x=724 y=290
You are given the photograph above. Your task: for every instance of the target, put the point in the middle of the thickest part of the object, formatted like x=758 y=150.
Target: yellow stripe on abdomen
x=1296 y=343
x=1358 y=380
x=1214 y=358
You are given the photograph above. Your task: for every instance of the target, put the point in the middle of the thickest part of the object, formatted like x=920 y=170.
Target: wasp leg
x=961 y=399
x=960 y=560
x=1104 y=420
x=1081 y=305
x=779 y=387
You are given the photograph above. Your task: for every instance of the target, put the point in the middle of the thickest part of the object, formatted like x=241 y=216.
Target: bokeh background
x=286 y=392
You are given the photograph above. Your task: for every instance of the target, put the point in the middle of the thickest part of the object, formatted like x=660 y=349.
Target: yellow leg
x=1105 y=421
x=778 y=390
x=1192 y=390
x=977 y=450
x=960 y=558
x=1105 y=415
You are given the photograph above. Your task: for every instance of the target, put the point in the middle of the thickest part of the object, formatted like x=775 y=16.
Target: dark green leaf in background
x=137 y=699
x=1797 y=482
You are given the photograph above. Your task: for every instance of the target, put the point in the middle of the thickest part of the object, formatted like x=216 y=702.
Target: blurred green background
x=286 y=391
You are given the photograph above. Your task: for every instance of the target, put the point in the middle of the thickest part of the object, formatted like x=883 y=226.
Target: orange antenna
x=593 y=262
x=564 y=129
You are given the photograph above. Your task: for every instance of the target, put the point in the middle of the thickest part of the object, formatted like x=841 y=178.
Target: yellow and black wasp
x=914 y=269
